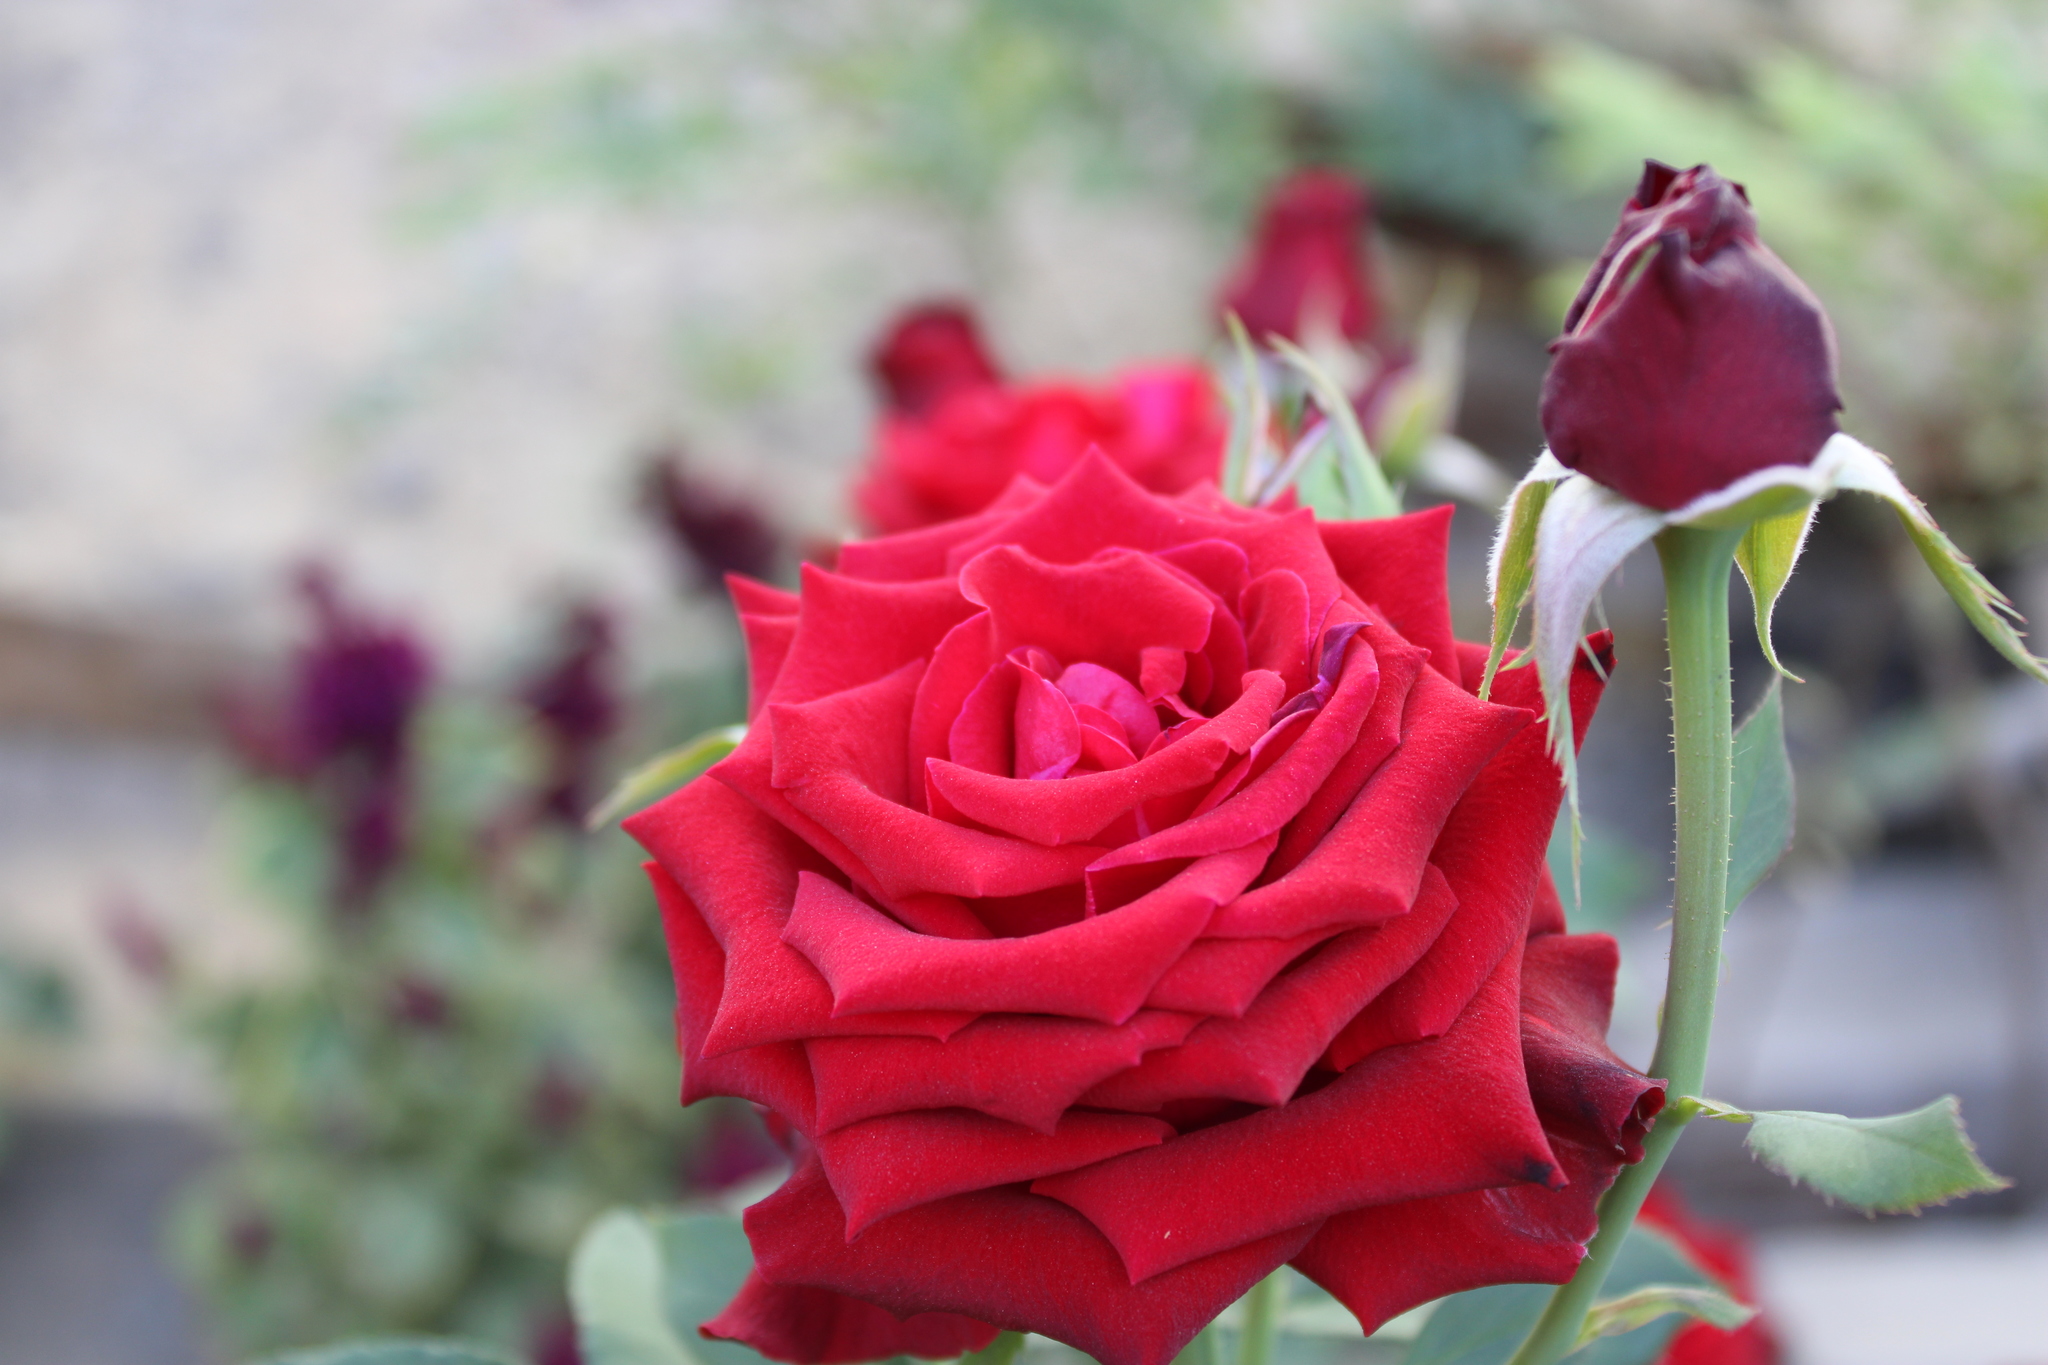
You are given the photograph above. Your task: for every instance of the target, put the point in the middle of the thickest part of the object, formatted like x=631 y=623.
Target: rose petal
x=1222 y=976
x=1382 y=1261
x=1431 y=1118
x=851 y=632
x=1099 y=968
x=1028 y=1069
x=1081 y=807
x=1583 y=1091
x=1369 y=866
x=811 y=1326
x=1101 y=611
x=883 y=1166
x=1046 y=1271
x=1262 y=1057
x=1397 y=565
x=739 y=869
x=776 y=1075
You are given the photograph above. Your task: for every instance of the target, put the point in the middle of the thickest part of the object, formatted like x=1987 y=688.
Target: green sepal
x=1366 y=488
x=1886 y=1165
x=1512 y=573
x=1251 y=413
x=1866 y=471
x=395 y=1351
x=1762 y=797
x=1640 y=1307
x=664 y=773
x=1769 y=549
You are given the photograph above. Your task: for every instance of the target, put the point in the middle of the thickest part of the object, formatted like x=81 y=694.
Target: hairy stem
x=1696 y=568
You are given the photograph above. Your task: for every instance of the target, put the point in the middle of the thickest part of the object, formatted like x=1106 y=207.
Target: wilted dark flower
x=714 y=533
x=1307 y=261
x=1692 y=355
x=577 y=707
x=355 y=684
x=931 y=352
x=340 y=730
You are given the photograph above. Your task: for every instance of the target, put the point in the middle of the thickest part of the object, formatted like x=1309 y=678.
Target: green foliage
x=1484 y=1326
x=641 y=1282
x=36 y=999
x=1889 y=1165
x=445 y=1085
x=395 y=1351
x=1761 y=822
x=1640 y=1307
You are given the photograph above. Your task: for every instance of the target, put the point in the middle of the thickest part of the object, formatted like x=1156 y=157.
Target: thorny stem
x=1696 y=563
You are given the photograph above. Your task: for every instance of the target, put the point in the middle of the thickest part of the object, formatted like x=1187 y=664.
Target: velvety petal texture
x=1693 y=355
x=1117 y=897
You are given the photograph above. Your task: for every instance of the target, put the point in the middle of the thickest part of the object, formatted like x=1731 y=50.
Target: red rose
x=1692 y=355
x=929 y=353
x=1117 y=897
x=1162 y=426
x=1722 y=1253
x=1306 y=261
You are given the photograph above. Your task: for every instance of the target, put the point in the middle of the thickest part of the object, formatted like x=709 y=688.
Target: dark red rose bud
x=1692 y=355
x=930 y=353
x=1307 y=260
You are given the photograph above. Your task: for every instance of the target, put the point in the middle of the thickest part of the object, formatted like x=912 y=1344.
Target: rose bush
x=1692 y=355
x=950 y=442
x=1116 y=897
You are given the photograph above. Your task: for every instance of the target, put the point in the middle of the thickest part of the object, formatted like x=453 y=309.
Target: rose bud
x=1118 y=897
x=930 y=353
x=1163 y=426
x=1692 y=355
x=1306 y=266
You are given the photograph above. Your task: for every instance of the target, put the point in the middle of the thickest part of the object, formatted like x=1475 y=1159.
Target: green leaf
x=1366 y=486
x=1001 y=1351
x=1762 y=797
x=1888 y=1165
x=395 y=1351
x=665 y=772
x=1769 y=549
x=1484 y=1326
x=617 y=1288
x=1639 y=1307
x=704 y=1260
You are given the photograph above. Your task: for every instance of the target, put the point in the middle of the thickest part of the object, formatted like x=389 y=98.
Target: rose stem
x=1696 y=563
x=1261 y=1320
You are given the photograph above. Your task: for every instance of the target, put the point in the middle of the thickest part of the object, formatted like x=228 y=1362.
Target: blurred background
x=384 y=385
